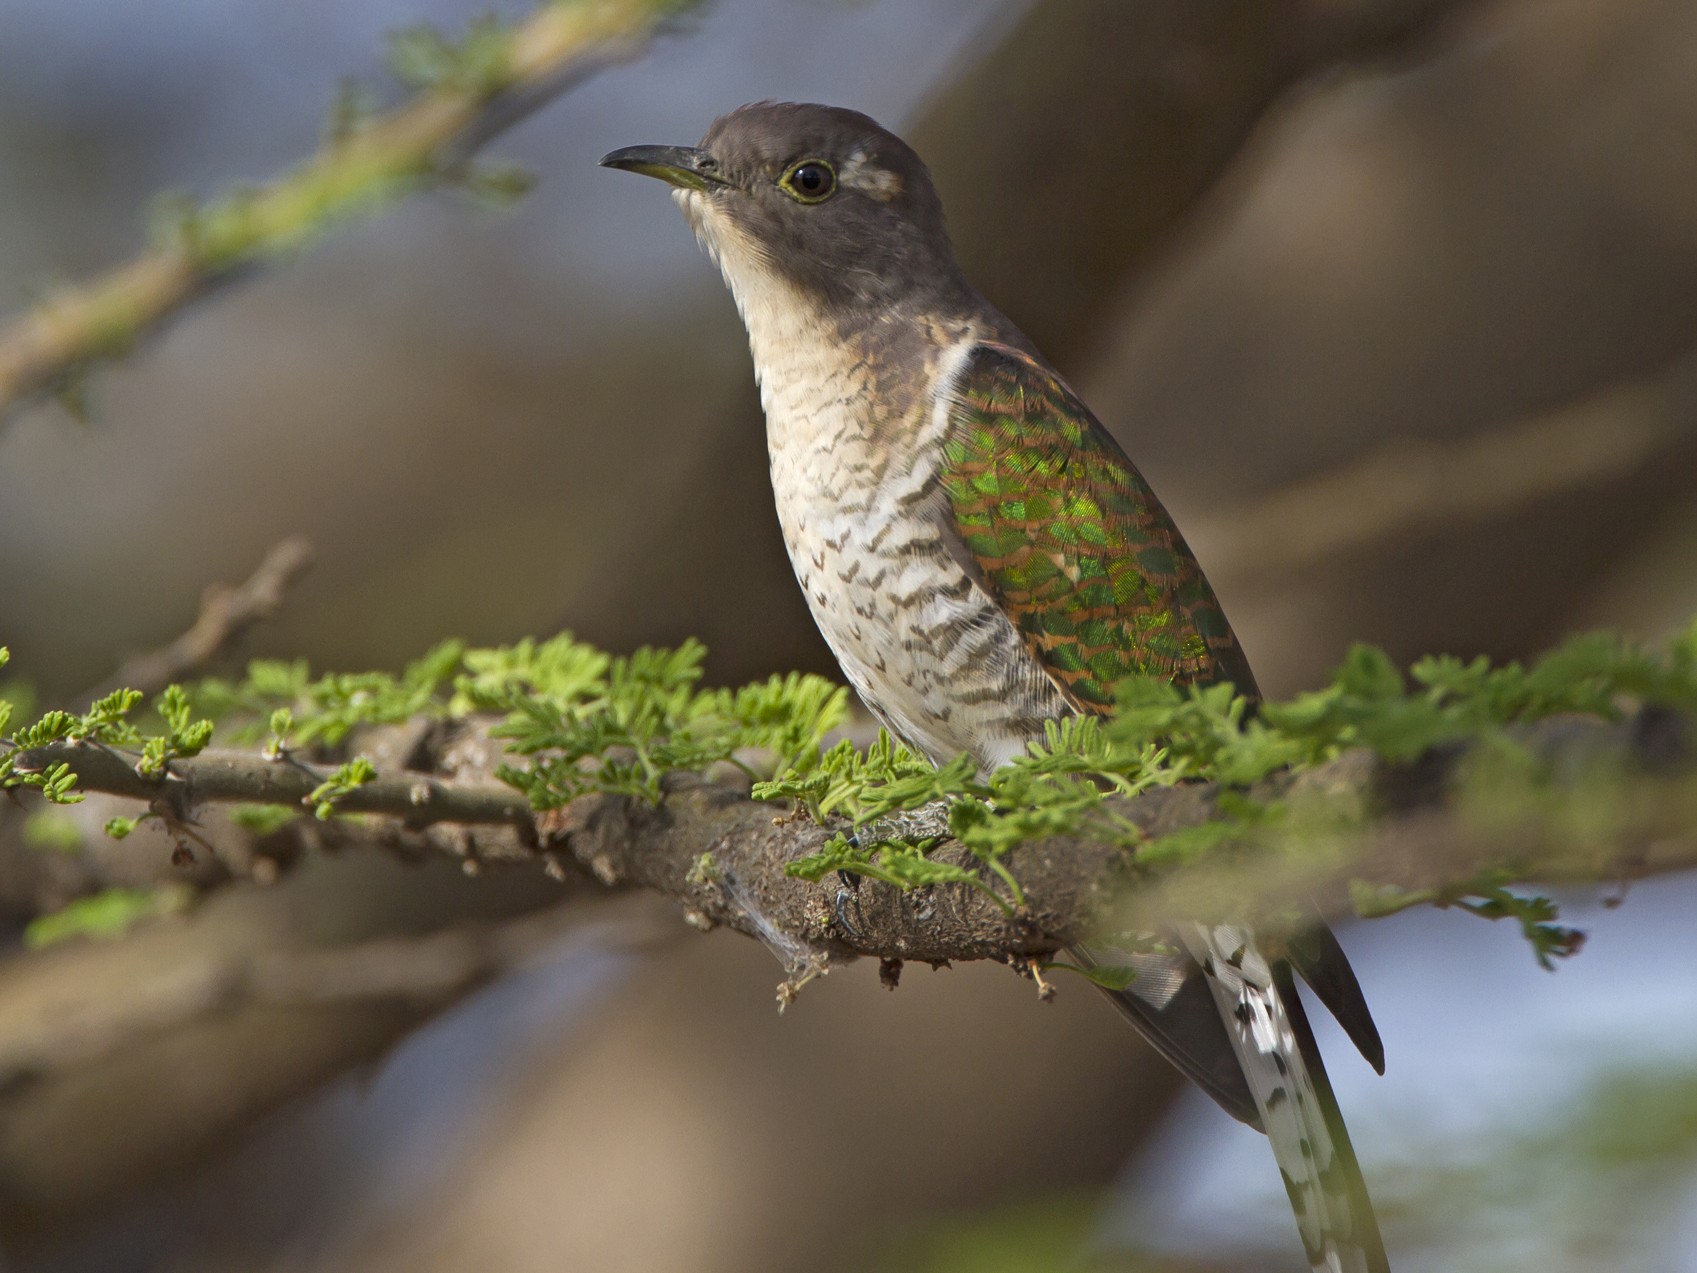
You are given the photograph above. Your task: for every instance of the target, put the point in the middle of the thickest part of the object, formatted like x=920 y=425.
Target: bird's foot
x=844 y=899
x=928 y=822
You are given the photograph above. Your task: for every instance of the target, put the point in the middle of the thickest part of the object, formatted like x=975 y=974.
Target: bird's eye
x=810 y=181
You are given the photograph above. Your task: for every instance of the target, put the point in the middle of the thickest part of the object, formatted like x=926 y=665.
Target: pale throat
x=814 y=382
x=778 y=316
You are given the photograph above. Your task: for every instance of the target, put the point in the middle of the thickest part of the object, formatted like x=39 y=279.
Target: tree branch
x=428 y=137
x=1412 y=828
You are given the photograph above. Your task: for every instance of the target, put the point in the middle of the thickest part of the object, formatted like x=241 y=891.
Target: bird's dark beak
x=685 y=166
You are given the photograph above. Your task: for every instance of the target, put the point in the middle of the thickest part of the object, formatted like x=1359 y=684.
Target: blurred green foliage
x=107 y=914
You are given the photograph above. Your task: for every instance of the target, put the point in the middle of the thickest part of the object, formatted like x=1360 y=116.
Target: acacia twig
x=427 y=137
x=241 y=777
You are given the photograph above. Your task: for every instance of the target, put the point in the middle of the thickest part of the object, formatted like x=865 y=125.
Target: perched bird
x=982 y=558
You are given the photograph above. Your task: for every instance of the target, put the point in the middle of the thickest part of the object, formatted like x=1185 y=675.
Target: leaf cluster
x=588 y=722
x=179 y=732
x=575 y=719
x=479 y=63
x=301 y=710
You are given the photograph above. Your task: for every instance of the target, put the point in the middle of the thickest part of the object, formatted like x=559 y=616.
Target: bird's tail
x=1269 y=1031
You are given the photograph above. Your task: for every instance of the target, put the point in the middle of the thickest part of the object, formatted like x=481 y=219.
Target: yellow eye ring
x=810 y=181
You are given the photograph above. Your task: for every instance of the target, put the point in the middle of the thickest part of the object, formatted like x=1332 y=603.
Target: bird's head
x=816 y=197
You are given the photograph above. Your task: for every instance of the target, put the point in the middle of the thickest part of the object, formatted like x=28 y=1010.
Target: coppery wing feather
x=1071 y=542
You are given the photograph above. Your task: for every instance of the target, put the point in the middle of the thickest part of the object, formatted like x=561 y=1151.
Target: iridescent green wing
x=1071 y=541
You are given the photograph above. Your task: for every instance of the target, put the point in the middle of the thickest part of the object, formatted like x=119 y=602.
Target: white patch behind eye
x=866 y=176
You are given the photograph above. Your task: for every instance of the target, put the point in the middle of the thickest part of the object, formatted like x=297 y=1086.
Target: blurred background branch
x=1011 y=141
x=1413 y=489
x=290 y=1005
x=467 y=94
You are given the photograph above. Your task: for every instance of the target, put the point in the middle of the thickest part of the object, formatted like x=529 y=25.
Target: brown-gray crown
x=838 y=204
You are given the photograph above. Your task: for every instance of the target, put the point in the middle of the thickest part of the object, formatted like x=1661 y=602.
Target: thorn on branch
x=1032 y=969
x=816 y=965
